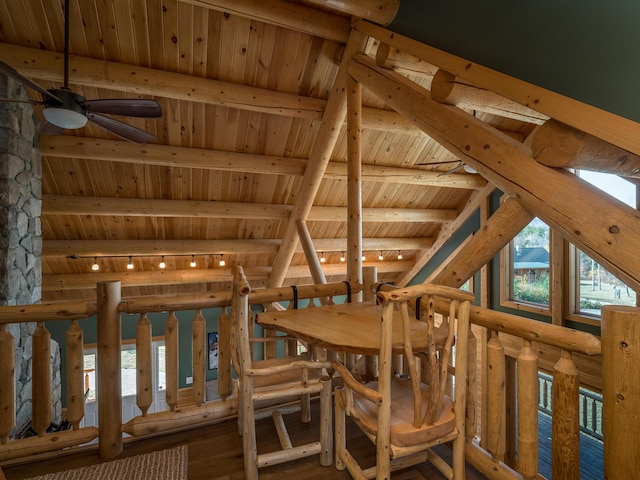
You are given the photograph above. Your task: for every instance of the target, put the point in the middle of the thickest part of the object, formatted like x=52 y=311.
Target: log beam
x=112 y=248
x=377 y=11
x=80 y=281
x=446 y=88
x=607 y=230
x=137 y=207
x=67 y=146
x=558 y=145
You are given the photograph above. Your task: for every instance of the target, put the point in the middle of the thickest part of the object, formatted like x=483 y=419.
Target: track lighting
x=399 y=255
x=95 y=267
x=322 y=260
x=193 y=261
x=162 y=264
x=342 y=259
x=380 y=257
x=130 y=264
x=222 y=262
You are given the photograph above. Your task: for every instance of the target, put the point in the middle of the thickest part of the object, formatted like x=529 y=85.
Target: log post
x=198 y=337
x=565 y=423
x=370 y=276
x=109 y=371
x=7 y=384
x=471 y=423
x=224 y=355
x=171 y=359
x=495 y=398
x=527 y=412
x=75 y=374
x=144 y=365
x=41 y=387
x=354 y=190
x=621 y=390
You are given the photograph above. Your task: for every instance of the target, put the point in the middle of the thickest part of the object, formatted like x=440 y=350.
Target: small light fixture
x=130 y=264
x=322 y=260
x=222 y=262
x=342 y=259
x=380 y=257
x=95 y=267
x=363 y=257
x=193 y=261
x=162 y=264
x=399 y=255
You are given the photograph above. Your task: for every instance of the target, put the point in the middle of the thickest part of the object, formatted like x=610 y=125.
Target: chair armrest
x=356 y=386
x=296 y=364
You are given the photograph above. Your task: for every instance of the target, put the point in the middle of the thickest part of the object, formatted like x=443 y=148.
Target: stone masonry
x=21 y=235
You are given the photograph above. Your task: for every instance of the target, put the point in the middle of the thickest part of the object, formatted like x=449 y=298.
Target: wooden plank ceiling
x=242 y=102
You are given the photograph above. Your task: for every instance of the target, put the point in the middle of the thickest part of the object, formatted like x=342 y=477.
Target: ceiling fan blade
x=128 y=107
x=128 y=132
x=453 y=170
x=13 y=73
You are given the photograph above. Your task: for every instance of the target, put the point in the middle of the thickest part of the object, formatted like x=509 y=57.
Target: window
x=593 y=285
x=526 y=261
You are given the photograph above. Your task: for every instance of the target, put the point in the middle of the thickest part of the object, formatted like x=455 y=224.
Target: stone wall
x=20 y=233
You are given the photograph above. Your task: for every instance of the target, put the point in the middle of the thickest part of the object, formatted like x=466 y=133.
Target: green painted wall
x=585 y=49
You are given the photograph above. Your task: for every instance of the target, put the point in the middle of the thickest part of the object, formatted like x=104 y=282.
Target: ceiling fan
x=65 y=109
x=460 y=166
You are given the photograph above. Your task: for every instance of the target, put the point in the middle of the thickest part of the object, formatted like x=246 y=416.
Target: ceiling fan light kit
x=69 y=113
x=68 y=110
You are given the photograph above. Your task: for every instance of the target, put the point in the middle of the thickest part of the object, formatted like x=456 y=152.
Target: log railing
x=512 y=351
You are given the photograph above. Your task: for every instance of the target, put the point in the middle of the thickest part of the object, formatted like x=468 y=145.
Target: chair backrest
x=240 y=345
x=452 y=305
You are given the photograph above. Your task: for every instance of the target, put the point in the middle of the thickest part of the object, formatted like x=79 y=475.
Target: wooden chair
x=402 y=414
x=274 y=380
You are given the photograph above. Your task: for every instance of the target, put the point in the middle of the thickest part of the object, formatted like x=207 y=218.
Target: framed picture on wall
x=213 y=349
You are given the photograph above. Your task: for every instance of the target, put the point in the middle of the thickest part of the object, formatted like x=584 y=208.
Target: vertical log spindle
x=144 y=364
x=495 y=398
x=109 y=371
x=527 y=412
x=41 y=386
x=621 y=390
x=565 y=422
x=199 y=357
x=224 y=355
x=471 y=423
x=7 y=384
x=171 y=360
x=75 y=374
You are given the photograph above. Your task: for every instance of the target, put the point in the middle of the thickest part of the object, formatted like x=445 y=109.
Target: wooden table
x=348 y=327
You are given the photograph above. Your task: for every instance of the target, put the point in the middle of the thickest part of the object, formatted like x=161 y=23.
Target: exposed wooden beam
x=332 y=120
x=558 y=145
x=67 y=146
x=107 y=248
x=41 y=64
x=377 y=11
x=446 y=232
x=446 y=88
x=290 y=15
x=600 y=225
x=497 y=232
x=79 y=281
x=136 y=207
x=612 y=128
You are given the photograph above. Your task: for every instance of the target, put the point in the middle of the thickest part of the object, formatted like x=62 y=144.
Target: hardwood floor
x=215 y=453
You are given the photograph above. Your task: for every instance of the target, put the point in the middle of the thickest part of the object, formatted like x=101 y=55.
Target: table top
x=349 y=327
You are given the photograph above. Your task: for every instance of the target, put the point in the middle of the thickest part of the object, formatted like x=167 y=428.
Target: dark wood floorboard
x=215 y=453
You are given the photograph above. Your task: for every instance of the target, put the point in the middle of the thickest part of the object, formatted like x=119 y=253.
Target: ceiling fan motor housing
x=68 y=114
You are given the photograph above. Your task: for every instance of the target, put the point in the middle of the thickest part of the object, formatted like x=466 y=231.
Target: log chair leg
x=340 y=435
x=305 y=408
x=326 y=423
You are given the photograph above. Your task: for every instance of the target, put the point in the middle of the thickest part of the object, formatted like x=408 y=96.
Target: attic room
x=195 y=188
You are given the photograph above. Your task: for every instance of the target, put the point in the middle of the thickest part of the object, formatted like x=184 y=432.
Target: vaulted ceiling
x=240 y=155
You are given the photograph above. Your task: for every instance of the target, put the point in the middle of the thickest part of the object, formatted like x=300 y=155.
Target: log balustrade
x=511 y=383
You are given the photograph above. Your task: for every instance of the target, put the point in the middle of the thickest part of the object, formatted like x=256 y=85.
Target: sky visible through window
x=613 y=185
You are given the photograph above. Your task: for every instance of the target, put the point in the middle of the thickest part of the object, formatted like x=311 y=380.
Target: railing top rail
x=223 y=299
x=555 y=335
x=47 y=312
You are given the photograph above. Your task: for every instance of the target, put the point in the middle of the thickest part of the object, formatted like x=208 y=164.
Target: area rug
x=168 y=464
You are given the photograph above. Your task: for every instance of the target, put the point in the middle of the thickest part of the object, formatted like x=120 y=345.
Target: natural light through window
x=596 y=285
